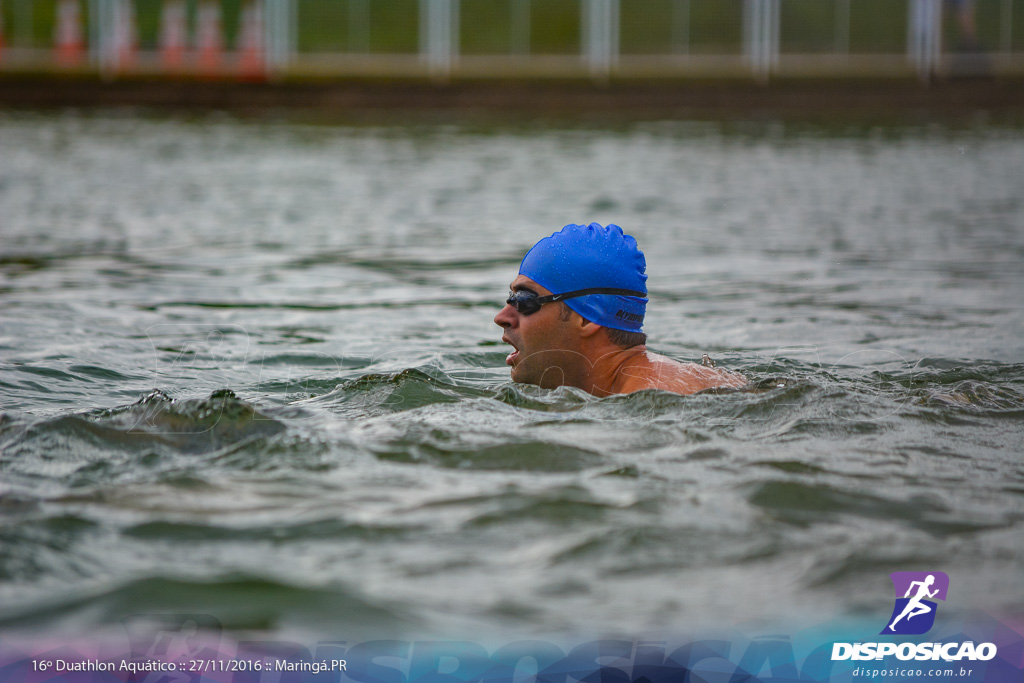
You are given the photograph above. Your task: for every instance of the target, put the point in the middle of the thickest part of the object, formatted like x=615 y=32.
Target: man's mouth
x=512 y=357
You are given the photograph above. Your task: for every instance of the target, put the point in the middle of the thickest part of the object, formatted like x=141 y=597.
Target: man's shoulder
x=661 y=372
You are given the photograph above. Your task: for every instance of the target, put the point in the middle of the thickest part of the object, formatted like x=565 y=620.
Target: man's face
x=546 y=350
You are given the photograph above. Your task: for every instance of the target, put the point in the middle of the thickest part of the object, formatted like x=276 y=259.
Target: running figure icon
x=915 y=601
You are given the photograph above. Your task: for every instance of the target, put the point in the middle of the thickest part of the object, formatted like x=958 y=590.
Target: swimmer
x=575 y=316
x=915 y=607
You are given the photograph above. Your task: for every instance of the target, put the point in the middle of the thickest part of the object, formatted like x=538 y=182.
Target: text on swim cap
x=631 y=317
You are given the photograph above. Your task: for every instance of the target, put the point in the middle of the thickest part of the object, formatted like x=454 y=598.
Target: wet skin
x=551 y=352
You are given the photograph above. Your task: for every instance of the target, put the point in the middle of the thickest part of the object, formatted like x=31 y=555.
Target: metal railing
x=480 y=38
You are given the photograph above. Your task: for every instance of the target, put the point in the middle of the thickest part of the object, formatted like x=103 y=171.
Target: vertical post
x=912 y=31
x=681 y=27
x=292 y=44
x=454 y=25
x=600 y=28
x=585 y=37
x=614 y=40
x=775 y=29
x=442 y=38
x=107 y=38
x=445 y=43
x=752 y=34
x=438 y=39
x=359 y=26
x=761 y=26
x=749 y=21
x=924 y=29
x=279 y=30
x=843 y=27
x=520 y=27
x=935 y=34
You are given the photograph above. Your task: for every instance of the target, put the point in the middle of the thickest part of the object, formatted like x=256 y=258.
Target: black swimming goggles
x=528 y=303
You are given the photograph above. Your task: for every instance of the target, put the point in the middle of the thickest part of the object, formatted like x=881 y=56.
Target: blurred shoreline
x=577 y=98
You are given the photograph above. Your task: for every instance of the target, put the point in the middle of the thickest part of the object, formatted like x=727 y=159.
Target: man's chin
x=551 y=378
x=521 y=374
x=515 y=375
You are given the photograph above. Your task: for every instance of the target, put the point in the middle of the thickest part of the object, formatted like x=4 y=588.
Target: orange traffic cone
x=69 y=44
x=209 y=40
x=251 y=65
x=173 y=33
x=125 y=34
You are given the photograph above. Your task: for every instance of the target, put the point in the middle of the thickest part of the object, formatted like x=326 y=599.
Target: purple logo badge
x=916 y=592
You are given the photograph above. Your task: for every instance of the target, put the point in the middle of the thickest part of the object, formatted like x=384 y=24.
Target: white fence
x=443 y=39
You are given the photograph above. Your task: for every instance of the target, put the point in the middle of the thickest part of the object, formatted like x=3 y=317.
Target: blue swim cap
x=586 y=256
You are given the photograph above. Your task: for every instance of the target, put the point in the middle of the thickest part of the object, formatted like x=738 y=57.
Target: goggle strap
x=587 y=292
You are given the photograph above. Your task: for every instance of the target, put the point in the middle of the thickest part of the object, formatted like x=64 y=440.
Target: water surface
x=249 y=370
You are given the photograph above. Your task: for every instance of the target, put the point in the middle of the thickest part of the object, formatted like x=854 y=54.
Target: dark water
x=249 y=370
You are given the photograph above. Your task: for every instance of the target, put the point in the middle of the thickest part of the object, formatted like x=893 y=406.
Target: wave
x=241 y=602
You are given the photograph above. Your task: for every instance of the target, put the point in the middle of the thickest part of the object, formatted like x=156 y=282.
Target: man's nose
x=506 y=317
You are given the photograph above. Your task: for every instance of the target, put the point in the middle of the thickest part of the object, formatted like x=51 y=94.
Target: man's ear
x=589 y=329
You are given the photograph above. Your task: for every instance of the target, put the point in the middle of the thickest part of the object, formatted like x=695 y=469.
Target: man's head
x=578 y=291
